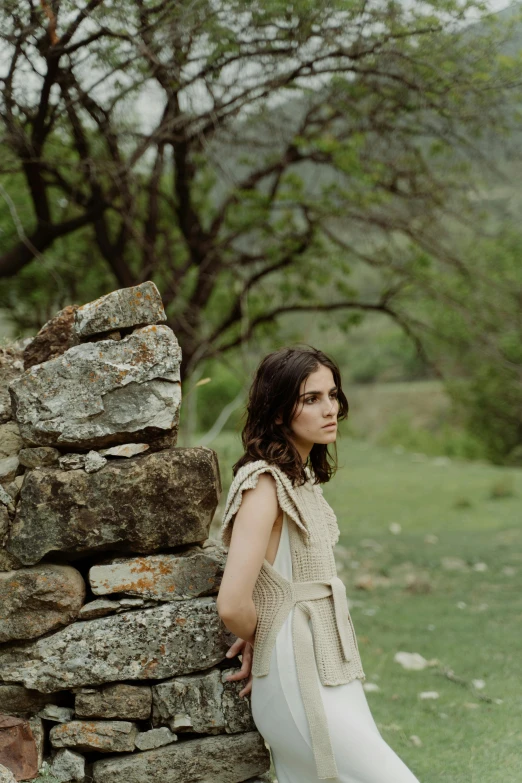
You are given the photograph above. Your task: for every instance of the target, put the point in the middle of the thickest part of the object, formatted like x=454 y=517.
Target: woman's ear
x=278 y=420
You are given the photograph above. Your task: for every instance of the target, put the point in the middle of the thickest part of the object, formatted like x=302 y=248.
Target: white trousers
x=361 y=753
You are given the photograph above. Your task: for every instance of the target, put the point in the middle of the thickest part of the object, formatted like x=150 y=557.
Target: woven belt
x=302 y=592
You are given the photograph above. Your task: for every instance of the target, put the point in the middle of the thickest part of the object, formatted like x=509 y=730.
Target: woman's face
x=315 y=420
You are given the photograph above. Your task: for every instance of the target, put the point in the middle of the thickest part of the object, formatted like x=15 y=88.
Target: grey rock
x=6 y=776
x=223 y=759
x=57 y=714
x=6 y=499
x=99 y=608
x=79 y=513
x=125 y=450
x=37 y=600
x=72 y=462
x=120 y=309
x=102 y=607
x=9 y=468
x=37 y=728
x=236 y=710
x=129 y=702
x=163 y=577
x=129 y=390
x=102 y=736
x=20 y=701
x=11 y=366
x=38 y=457
x=10 y=439
x=94 y=462
x=131 y=603
x=14 y=487
x=205 y=703
x=90 y=462
x=149 y=644
x=68 y=766
x=155 y=738
x=8 y=562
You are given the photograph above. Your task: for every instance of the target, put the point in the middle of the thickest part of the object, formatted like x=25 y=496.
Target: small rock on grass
x=411 y=661
x=428 y=695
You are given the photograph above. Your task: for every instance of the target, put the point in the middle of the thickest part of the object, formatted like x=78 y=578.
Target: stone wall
x=112 y=654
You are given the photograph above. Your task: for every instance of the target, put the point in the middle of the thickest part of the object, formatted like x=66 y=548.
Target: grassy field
x=445 y=581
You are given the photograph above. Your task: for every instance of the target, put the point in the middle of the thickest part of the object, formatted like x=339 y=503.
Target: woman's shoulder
x=247 y=477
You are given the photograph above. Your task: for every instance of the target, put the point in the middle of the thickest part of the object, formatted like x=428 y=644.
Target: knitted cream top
x=316 y=592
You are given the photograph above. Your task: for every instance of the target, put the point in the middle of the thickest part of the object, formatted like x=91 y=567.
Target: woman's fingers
x=235 y=648
x=248 y=653
x=246 y=665
x=247 y=688
x=242 y=673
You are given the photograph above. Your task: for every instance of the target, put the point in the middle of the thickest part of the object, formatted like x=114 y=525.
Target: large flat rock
x=103 y=393
x=36 y=600
x=204 y=703
x=162 y=577
x=129 y=702
x=221 y=759
x=142 y=505
x=112 y=736
x=149 y=644
x=120 y=309
x=20 y=701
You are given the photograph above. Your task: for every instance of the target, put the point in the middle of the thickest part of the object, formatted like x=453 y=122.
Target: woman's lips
x=329 y=426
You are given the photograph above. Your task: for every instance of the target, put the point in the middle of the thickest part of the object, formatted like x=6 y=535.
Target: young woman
x=280 y=593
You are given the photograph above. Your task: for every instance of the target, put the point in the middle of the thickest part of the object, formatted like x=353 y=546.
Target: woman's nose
x=330 y=408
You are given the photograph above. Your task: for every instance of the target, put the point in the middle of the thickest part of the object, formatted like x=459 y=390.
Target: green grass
x=469 y=621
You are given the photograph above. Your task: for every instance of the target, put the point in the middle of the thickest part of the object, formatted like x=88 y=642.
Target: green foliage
x=447 y=439
x=478 y=322
x=502 y=488
x=215 y=395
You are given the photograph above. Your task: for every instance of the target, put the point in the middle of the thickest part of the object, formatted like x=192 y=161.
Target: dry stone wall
x=112 y=653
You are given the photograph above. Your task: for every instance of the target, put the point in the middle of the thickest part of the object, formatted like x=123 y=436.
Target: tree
x=474 y=331
x=294 y=142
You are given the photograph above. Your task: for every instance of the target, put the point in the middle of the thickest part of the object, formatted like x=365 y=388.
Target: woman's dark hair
x=275 y=393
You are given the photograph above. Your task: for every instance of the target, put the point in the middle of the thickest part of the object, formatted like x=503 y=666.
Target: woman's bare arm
x=251 y=531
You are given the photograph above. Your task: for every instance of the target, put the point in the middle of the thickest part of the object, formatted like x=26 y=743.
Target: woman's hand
x=246 y=663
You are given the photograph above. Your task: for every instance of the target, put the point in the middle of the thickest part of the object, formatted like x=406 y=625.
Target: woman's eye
x=310 y=399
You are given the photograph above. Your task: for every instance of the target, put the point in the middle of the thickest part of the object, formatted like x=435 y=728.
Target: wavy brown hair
x=275 y=392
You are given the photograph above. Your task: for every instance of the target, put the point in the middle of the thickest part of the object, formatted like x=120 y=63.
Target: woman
x=280 y=594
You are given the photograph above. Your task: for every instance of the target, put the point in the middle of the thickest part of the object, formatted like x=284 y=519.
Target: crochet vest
x=316 y=593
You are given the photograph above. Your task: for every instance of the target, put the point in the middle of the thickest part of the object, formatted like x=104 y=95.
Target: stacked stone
x=112 y=654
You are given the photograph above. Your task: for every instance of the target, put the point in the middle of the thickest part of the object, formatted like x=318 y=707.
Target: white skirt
x=361 y=753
